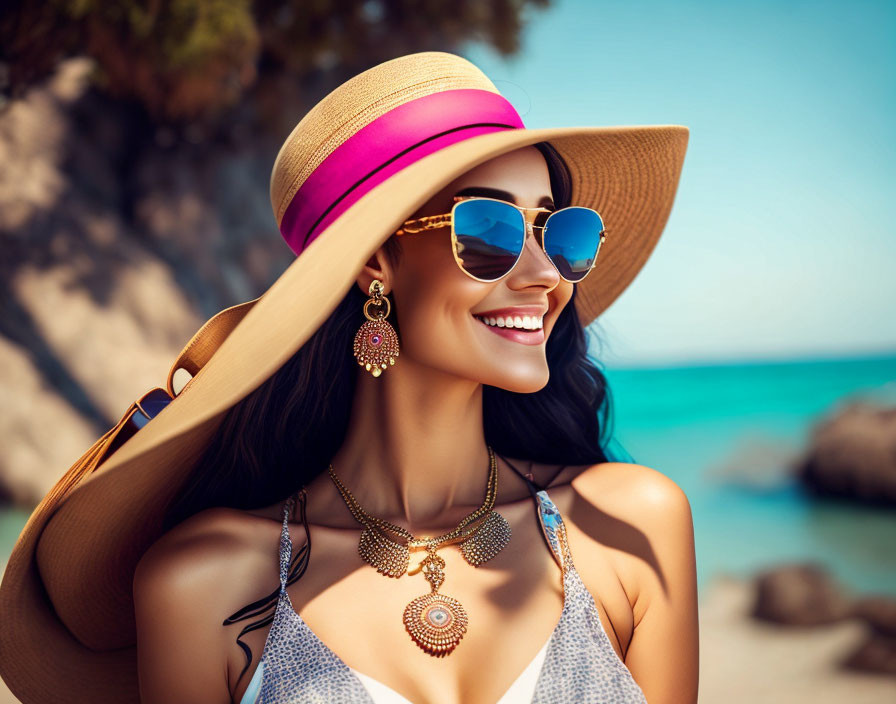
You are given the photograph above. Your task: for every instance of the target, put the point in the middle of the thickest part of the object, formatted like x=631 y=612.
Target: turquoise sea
x=723 y=432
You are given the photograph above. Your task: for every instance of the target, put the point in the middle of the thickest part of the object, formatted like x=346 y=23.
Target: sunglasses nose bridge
x=537 y=247
x=529 y=217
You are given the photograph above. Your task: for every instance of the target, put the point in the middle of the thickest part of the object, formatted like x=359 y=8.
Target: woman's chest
x=513 y=604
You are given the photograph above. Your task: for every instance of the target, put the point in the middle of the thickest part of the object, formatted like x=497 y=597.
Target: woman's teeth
x=524 y=322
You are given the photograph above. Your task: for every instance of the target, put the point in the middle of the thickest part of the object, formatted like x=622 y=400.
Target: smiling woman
x=541 y=400
x=491 y=415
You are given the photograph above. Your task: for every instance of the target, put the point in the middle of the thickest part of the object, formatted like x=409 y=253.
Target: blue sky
x=781 y=242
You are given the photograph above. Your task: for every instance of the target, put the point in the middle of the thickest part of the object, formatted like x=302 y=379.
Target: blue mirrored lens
x=572 y=239
x=490 y=237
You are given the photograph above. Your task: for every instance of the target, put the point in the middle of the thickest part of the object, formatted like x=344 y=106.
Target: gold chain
x=365 y=518
x=436 y=622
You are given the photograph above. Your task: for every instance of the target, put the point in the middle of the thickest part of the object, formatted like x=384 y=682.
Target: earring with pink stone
x=376 y=344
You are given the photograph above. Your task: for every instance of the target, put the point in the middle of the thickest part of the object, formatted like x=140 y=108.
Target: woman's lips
x=526 y=337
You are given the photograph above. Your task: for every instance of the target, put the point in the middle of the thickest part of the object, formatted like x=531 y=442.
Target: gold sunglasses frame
x=434 y=222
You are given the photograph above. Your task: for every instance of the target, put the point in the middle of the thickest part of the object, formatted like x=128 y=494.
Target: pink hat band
x=384 y=147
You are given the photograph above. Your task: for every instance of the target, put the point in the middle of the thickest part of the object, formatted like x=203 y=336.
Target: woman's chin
x=519 y=378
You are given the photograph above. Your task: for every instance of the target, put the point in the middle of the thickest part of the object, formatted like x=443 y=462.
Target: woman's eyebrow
x=546 y=201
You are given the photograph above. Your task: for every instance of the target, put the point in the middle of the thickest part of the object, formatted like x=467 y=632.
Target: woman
x=456 y=440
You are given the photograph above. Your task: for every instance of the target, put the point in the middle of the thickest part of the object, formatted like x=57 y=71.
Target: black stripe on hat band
x=389 y=161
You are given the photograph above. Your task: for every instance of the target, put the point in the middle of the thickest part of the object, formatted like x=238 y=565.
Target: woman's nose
x=534 y=263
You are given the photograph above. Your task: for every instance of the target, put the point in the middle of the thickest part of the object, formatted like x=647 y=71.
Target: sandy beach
x=743 y=660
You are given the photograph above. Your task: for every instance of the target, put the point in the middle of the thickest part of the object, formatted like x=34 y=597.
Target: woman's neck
x=414 y=452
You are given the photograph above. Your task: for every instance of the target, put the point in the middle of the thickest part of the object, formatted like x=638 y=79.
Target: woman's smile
x=528 y=330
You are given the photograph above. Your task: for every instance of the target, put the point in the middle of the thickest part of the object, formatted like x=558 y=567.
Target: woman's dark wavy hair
x=284 y=433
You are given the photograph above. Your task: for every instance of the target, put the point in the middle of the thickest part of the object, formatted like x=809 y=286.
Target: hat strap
x=205 y=342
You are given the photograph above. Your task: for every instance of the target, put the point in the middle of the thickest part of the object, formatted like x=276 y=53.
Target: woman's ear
x=377 y=267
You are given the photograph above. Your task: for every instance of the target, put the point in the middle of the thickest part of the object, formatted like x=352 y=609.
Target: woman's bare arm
x=180 y=649
x=663 y=655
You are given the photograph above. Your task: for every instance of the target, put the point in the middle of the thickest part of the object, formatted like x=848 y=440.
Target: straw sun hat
x=363 y=160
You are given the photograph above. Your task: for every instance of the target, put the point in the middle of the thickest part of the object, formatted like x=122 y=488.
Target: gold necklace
x=436 y=622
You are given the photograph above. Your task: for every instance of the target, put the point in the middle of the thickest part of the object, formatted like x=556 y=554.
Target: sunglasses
x=487 y=236
x=144 y=410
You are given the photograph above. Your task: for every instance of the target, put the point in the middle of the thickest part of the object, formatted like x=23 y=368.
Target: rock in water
x=800 y=595
x=852 y=454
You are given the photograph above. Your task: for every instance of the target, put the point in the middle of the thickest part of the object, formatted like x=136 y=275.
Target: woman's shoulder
x=218 y=531
x=627 y=482
x=213 y=548
x=641 y=514
x=634 y=494
x=617 y=481
x=187 y=584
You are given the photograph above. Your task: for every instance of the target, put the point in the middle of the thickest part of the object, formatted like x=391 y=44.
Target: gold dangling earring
x=376 y=342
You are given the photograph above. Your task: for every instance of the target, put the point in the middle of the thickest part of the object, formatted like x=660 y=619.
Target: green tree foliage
x=192 y=60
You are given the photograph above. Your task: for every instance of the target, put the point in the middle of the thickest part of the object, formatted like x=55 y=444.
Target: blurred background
x=754 y=361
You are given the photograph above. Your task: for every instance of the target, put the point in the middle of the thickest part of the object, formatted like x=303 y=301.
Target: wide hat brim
x=66 y=595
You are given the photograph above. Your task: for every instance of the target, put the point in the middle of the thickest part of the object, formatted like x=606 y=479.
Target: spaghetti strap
x=552 y=529
x=289 y=511
x=534 y=488
x=272 y=600
x=528 y=478
x=285 y=542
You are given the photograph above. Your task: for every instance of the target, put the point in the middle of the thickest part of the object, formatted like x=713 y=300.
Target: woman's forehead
x=520 y=176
